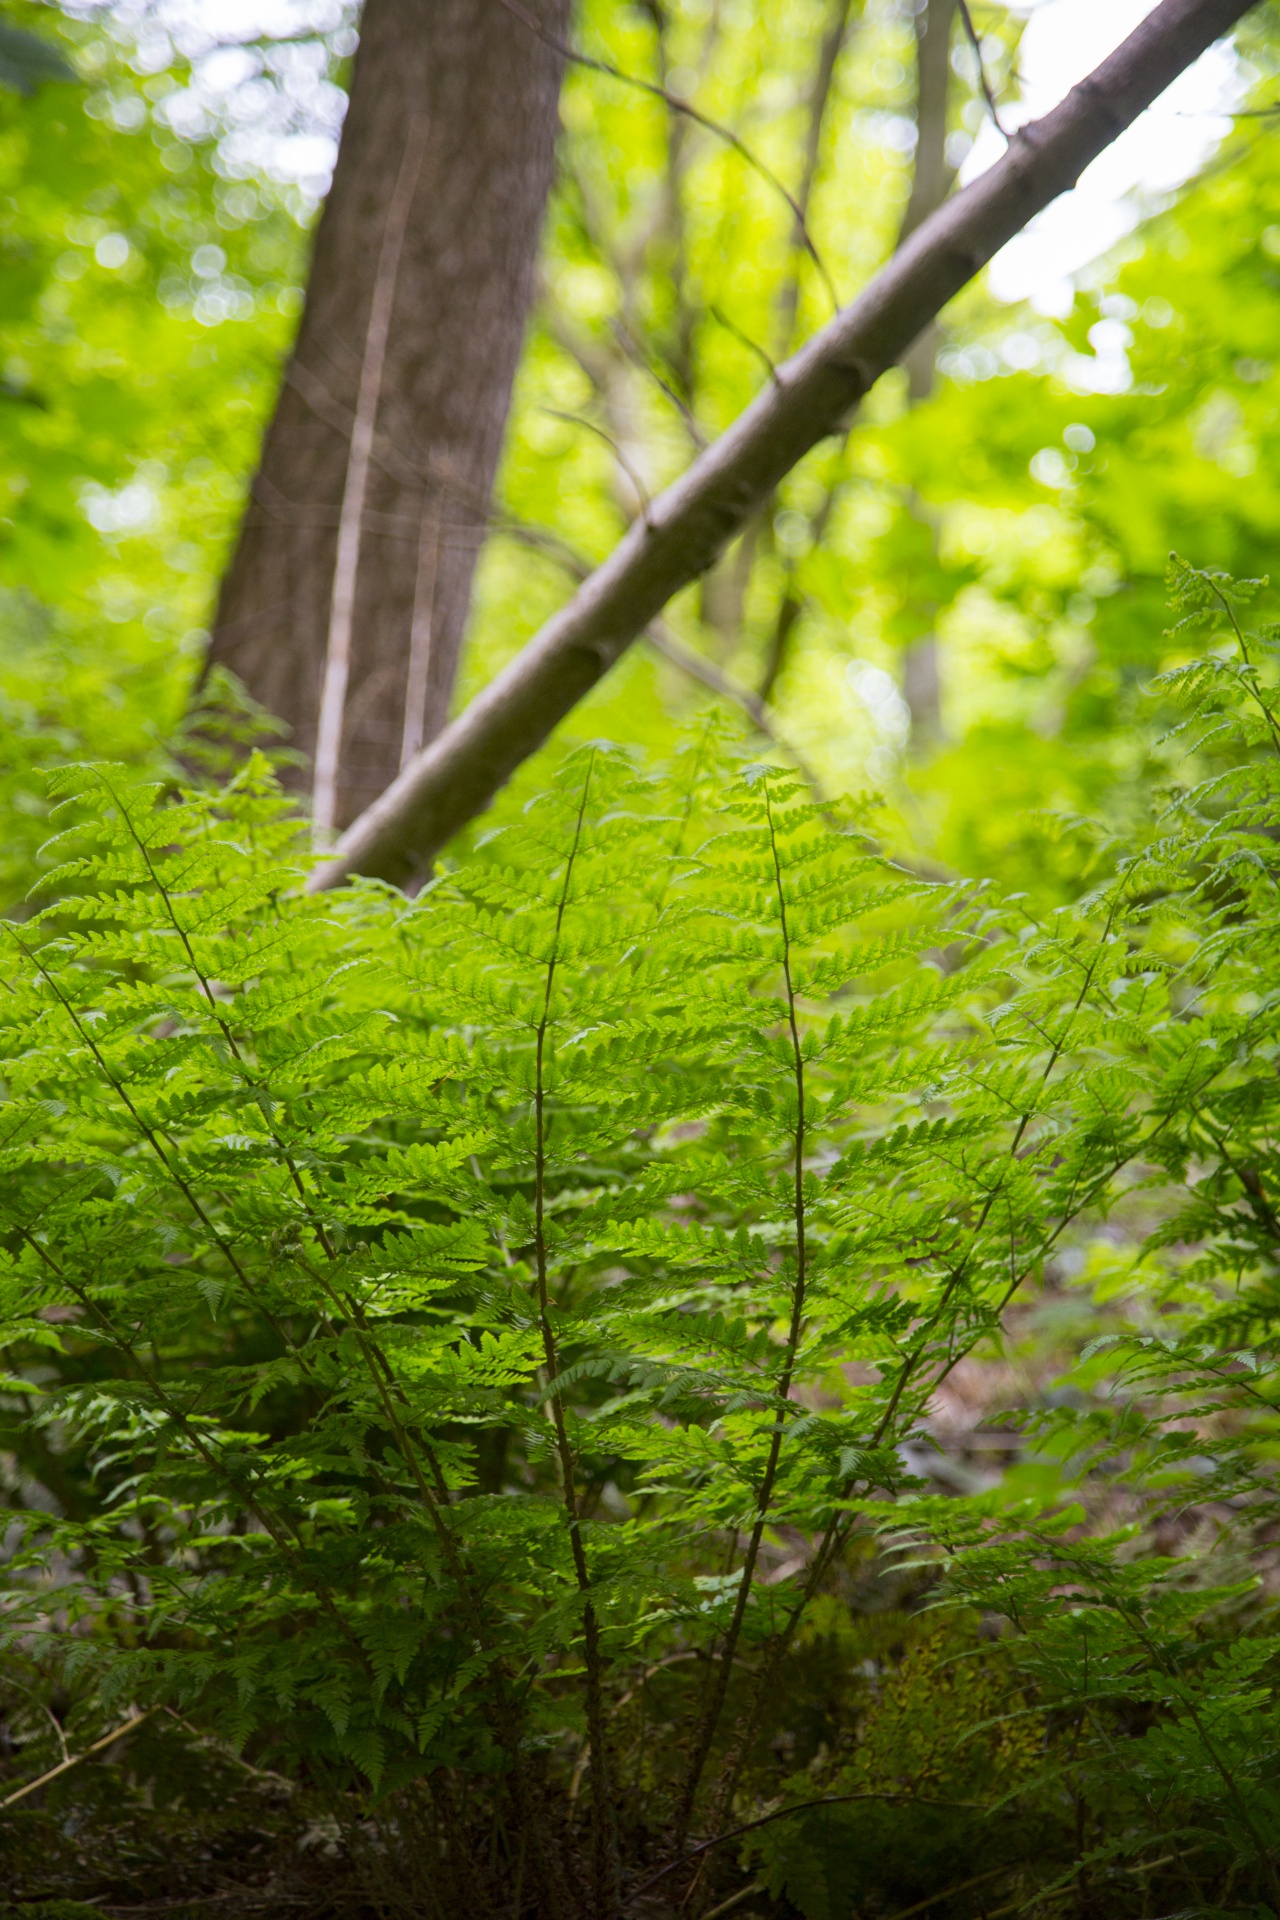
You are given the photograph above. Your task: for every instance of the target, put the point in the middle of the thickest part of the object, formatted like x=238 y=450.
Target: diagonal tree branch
x=455 y=777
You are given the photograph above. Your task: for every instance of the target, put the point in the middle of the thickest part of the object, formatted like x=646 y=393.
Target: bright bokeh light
x=260 y=82
x=260 y=78
x=1063 y=41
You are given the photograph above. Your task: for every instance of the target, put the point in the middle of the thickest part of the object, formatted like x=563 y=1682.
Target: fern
x=483 y=1315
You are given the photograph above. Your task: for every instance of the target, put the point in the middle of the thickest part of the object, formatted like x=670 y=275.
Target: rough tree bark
x=352 y=575
x=455 y=778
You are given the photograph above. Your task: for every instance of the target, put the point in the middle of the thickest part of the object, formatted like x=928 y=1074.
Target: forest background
x=955 y=604
x=958 y=604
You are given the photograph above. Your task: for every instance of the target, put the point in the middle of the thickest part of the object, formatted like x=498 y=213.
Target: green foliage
x=1050 y=495
x=132 y=395
x=134 y=372
x=458 y=1326
x=961 y=601
x=48 y=1910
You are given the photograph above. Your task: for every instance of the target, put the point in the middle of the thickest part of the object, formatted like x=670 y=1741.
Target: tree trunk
x=931 y=181
x=687 y=526
x=349 y=588
x=921 y=680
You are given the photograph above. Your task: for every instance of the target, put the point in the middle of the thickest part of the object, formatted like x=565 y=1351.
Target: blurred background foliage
x=955 y=604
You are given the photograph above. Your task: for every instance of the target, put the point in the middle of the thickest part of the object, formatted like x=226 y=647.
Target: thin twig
x=785 y=1813
x=677 y=105
x=753 y=346
x=636 y=354
x=44 y=1707
x=819 y=97
x=580 y=420
x=983 y=82
x=421 y=631
x=663 y=641
x=961 y=1886
x=269 y=1897
x=226 y=1752
x=735 y=1899
x=65 y=1766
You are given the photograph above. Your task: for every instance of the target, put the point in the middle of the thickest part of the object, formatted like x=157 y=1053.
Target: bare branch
x=663 y=641
x=589 y=426
x=833 y=44
x=74 y=1760
x=753 y=346
x=983 y=82
x=679 y=105
x=636 y=354
x=455 y=777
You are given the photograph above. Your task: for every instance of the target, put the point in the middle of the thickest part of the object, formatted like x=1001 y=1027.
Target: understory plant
x=481 y=1355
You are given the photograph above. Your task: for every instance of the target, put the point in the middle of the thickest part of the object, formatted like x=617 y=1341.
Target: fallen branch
x=65 y=1766
x=665 y=642
x=456 y=776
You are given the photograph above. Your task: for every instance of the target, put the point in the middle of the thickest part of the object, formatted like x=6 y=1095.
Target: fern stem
x=370 y=1348
x=1266 y=1857
x=242 y=1491
x=604 y=1840
x=714 y=1707
x=504 y=1716
x=148 y=1133
x=233 y=1045
x=838 y=1533
x=507 y=1727
x=1250 y=678
x=378 y=1367
x=1056 y=1051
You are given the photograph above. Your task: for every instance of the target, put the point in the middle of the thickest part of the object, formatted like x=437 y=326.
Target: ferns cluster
x=470 y=1331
